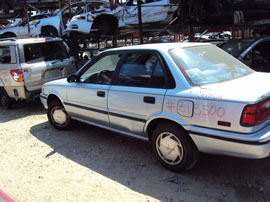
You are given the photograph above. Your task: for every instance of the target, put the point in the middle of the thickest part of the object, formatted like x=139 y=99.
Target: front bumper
x=254 y=145
x=43 y=99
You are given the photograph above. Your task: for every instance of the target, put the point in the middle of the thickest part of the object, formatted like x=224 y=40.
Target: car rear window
x=236 y=47
x=208 y=64
x=45 y=51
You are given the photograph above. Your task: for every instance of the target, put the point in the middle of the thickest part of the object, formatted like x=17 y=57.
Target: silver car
x=185 y=98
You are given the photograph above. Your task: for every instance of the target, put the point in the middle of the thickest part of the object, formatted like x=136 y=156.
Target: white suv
x=26 y=64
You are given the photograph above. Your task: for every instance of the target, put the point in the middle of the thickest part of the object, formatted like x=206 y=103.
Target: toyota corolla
x=185 y=98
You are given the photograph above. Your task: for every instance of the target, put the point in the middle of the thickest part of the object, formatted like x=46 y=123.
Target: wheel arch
x=5 y=35
x=107 y=18
x=152 y=123
x=53 y=97
x=45 y=27
x=2 y=90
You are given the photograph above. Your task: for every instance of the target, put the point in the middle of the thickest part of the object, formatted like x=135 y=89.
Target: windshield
x=236 y=47
x=208 y=64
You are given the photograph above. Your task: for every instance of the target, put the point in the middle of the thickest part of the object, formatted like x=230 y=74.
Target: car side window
x=7 y=55
x=141 y=70
x=45 y=52
x=102 y=71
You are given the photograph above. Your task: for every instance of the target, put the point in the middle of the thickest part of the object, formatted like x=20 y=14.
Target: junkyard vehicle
x=16 y=5
x=176 y=95
x=106 y=21
x=44 y=24
x=26 y=64
x=254 y=52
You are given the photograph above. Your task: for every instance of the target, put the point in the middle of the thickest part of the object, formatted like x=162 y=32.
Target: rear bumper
x=17 y=92
x=255 y=145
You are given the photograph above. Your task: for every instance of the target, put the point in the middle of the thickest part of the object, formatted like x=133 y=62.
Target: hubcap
x=169 y=148
x=59 y=116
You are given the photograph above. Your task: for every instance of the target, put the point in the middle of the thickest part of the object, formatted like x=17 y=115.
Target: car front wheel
x=58 y=116
x=173 y=147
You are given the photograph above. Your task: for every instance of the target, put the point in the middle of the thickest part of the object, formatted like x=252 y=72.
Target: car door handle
x=101 y=94
x=150 y=100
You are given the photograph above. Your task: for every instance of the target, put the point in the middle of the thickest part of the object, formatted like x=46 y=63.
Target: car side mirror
x=72 y=78
x=247 y=57
x=37 y=23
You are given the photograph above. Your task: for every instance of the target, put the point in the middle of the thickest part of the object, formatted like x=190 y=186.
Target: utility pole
x=69 y=9
x=111 y=3
x=27 y=16
x=140 y=21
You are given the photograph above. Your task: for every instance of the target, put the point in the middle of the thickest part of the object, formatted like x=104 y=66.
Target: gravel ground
x=39 y=163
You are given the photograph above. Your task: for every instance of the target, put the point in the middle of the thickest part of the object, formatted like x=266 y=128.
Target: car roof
x=14 y=41
x=161 y=46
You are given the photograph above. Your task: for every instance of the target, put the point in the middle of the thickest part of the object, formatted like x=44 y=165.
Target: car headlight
x=90 y=18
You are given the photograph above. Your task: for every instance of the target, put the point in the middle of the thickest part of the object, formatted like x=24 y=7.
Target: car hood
x=250 y=88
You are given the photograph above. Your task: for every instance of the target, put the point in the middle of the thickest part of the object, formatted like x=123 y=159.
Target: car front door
x=22 y=30
x=137 y=93
x=87 y=98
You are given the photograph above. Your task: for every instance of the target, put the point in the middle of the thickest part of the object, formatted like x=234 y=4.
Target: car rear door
x=138 y=92
x=43 y=62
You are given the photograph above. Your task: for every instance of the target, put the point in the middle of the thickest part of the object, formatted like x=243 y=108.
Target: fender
x=55 y=93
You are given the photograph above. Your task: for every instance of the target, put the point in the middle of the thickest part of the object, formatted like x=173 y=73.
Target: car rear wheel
x=173 y=147
x=58 y=116
x=5 y=102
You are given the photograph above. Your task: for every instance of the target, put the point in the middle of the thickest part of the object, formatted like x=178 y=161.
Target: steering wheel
x=104 y=76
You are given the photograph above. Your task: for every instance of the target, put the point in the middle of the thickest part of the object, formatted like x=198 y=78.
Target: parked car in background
x=26 y=64
x=44 y=24
x=254 y=52
x=176 y=95
x=105 y=20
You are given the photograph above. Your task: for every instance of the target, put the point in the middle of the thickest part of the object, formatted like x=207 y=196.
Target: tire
x=58 y=116
x=173 y=147
x=5 y=102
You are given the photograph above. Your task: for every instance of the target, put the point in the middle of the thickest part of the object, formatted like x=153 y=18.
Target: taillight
x=17 y=75
x=255 y=114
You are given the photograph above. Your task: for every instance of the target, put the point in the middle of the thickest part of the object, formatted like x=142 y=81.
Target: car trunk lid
x=248 y=89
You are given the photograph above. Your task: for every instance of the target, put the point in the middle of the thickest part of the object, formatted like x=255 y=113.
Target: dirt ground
x=39 y=163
